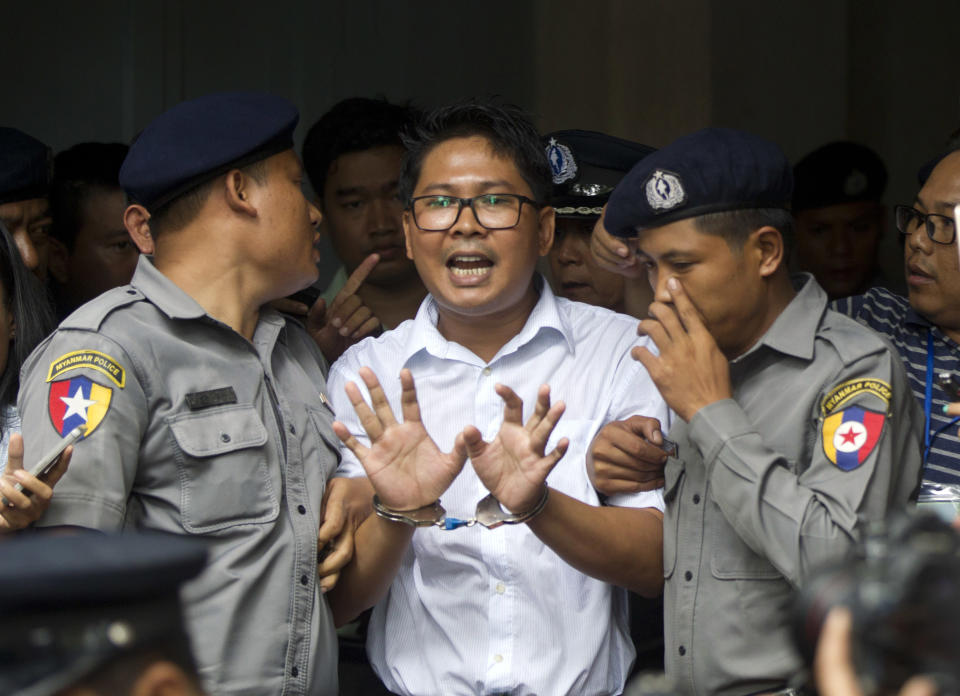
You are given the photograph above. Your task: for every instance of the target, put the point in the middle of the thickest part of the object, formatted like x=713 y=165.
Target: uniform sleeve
x=799 y=520
x=638 y=396
x=81 y=378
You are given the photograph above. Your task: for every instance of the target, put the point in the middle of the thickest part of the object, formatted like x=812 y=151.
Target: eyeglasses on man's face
x=939 y=228
x=493 y=211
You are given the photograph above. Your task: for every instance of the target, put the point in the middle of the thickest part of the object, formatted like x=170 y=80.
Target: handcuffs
x=488 y=514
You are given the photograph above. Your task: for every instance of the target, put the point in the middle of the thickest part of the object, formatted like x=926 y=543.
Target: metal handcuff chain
x=488 y=514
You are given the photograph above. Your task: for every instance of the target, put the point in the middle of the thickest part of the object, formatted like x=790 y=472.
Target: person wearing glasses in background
x=925 y=326
x=522 y=601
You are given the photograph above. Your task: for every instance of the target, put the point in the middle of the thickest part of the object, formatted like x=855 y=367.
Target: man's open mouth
x=466 y=265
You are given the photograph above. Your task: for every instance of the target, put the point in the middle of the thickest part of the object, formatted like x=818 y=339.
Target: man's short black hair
x=352 y=125
x=77 y=173
x=735 y=226
x=508 y=128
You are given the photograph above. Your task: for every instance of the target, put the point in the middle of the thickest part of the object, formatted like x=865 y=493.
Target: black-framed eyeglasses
x=939 y=228
x=493 y=211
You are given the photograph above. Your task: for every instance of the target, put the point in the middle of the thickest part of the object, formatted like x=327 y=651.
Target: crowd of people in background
x=571 y=407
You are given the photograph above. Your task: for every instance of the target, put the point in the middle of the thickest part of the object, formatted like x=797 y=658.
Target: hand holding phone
x=49 y=460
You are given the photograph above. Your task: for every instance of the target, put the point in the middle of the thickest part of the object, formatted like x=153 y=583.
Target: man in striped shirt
x=925 y=326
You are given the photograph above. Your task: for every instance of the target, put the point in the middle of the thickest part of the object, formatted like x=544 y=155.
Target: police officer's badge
x=664 y=190
x=855 y=183
x=78 y=402
x=562 y=164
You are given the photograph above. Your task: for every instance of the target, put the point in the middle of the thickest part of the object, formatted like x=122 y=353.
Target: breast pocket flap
x=213 y=433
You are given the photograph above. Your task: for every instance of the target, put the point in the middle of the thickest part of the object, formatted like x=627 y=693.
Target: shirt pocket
x=223 y=467
x=731 y=558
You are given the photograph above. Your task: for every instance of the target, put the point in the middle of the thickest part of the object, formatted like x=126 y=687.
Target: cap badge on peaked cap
x=856 y=183
x=562 y=164
x=664 y=190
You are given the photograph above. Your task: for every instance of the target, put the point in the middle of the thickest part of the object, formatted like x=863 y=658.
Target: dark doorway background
x=883 y=72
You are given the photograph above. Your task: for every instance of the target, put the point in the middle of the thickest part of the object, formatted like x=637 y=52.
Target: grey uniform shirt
x=193 y=430
x=767 y=485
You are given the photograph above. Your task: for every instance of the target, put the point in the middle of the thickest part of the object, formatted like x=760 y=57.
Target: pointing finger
x=356 y=279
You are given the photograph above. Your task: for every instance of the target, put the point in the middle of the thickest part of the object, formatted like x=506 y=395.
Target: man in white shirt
x=529 y=607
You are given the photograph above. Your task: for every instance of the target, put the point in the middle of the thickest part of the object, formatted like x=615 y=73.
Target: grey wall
x=884 y=72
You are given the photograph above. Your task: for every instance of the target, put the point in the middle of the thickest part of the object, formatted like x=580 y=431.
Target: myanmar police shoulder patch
x=850 y=435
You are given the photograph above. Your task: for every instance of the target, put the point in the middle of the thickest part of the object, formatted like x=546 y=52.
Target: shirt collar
x=795 y=330
x=163 y=292
x=166 y=296
x=545 y=319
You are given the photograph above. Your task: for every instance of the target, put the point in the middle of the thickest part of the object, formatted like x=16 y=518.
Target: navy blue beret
x=200 y=139
x=72 y=603
x=586 y=166
x=710 y=171
x=840 y=172
x=24 y=166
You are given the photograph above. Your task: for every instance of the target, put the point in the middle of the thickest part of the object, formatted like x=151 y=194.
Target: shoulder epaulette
x=91 y=315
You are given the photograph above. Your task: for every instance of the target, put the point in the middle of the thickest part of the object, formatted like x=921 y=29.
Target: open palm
x=404 y=465
x=513 y=466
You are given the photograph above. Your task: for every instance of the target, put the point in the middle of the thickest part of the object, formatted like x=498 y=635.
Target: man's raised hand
x=405 y=467
x=513 y=466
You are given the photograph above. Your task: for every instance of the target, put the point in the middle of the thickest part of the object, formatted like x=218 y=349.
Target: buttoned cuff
x=714 y=425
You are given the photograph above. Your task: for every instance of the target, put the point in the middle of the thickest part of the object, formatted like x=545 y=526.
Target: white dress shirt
x=480 y=611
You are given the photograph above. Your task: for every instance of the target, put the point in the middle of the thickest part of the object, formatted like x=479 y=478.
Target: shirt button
x=487 y=371
x=293 y=430
x=294 y=671
x=682 y=650
x=688 y=576
x=498 y=658
x=131 y=292
x=304 y=580
x=224 y=437
x=696 y=498
x=501 y=588
x=302 y=510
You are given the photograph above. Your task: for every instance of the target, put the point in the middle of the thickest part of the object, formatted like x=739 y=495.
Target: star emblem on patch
x=850 y=435
x=78 y=401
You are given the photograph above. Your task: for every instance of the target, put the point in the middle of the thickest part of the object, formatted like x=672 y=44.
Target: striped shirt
x=892 y=316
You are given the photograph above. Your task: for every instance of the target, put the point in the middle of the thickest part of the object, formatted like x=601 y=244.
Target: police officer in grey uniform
x=795 y=424
x=203 y=412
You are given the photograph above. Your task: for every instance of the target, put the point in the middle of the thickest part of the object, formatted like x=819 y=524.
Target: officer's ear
x=768 y=248
x=239 y=191
x=136 y=219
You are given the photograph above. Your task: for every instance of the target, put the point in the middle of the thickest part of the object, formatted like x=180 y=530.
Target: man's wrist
x=426 y=516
